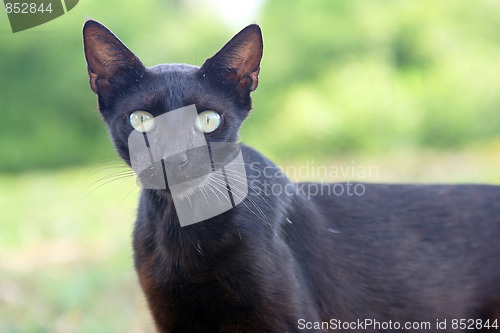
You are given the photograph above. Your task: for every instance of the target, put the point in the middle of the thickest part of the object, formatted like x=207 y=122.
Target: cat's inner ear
x=109 y=61
x=238 y=62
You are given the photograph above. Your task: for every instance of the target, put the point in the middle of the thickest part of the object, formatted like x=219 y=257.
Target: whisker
x=84 y=190
x=260 y=213
x=242 y=180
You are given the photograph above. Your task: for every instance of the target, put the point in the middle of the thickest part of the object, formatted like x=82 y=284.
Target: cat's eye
x=142 y=121
x=207 y=121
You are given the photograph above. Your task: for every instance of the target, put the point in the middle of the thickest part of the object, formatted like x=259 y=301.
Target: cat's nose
x=177 y=161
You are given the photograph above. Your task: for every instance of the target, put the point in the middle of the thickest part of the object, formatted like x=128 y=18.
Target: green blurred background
x=410 y=87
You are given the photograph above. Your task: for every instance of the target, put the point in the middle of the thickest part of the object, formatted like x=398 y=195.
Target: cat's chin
x=185 y=190
x=191 y=188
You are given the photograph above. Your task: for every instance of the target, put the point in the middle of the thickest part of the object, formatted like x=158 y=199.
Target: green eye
x=207 y=121
x=142 y=121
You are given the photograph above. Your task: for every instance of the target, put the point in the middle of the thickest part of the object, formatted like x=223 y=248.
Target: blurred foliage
x=371 y=76
x=60 y=271
x=337 y=76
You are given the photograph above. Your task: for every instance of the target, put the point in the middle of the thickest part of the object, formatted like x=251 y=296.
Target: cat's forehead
x=172 y=69
x=179 y=78
x=168 y=87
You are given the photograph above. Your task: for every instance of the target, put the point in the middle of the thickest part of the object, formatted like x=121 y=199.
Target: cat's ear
x=110 y=63
x=237 y=64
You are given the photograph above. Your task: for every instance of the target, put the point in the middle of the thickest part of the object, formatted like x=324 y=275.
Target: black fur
x=400 y=253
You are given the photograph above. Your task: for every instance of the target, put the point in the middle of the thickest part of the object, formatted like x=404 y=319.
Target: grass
x=65 y=253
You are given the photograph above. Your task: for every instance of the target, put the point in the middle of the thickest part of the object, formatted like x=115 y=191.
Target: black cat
x=393 y=258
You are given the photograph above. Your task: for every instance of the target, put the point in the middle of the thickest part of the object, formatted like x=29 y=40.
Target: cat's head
x=213 y=99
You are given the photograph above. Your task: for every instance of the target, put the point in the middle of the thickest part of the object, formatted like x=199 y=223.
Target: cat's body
x=292 y=261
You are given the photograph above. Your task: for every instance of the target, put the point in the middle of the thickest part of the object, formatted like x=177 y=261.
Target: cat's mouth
x=161 y=178
x=210 y=188
x=187 y=170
